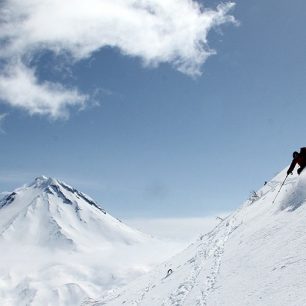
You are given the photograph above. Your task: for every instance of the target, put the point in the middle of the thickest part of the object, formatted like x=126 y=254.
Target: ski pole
x=280 y=188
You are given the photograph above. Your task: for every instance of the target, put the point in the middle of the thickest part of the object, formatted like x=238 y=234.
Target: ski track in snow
x=218 y=252
x=208 y=256
x=215 y=248
x=211 y=248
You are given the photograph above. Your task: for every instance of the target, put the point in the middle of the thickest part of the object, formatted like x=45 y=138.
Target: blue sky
x=143 y=132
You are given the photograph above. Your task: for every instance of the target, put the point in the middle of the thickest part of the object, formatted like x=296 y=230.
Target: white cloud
x=20 y=88
x=156 y=31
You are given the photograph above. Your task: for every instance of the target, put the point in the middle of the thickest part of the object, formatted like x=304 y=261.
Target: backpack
x=303 y=151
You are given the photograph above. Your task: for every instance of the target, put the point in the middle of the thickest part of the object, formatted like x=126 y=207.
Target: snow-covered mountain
x=58 y=247
x=51 y=213
x=256 y=256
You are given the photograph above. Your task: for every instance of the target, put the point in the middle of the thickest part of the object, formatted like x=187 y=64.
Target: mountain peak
x=64 y=191
x=48 y=212
x=43 y=182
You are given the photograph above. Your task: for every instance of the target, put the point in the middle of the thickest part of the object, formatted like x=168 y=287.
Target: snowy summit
x=51 y=213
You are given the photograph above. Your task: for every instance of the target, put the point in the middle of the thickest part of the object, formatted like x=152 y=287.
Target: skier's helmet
x=295 y=154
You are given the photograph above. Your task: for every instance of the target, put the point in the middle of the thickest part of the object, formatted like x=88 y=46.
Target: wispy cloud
x=20 y=87
x=156 y=31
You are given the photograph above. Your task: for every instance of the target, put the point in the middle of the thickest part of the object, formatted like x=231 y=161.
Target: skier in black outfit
x=300 y=159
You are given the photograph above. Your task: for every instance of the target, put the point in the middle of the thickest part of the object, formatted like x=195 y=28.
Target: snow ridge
x=7 y=199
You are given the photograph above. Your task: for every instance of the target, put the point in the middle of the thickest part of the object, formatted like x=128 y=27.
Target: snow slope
x=58 y=247
x=256 y=256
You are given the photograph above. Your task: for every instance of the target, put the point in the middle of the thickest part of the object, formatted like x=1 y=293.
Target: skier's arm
x=291 y=168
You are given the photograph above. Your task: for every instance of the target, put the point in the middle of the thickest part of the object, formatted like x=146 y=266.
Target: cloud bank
x=155 y=31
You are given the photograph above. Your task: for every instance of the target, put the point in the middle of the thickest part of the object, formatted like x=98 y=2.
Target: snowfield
x=256 y=256
x=59 y=247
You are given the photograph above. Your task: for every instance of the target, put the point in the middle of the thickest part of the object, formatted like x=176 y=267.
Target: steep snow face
x=256 y=256
x=53 y=214
x=58 y=247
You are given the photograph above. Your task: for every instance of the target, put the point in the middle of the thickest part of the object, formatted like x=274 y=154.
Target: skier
x=298 y=158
